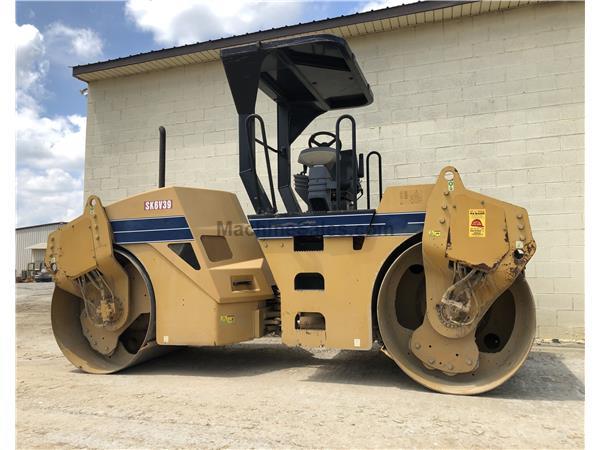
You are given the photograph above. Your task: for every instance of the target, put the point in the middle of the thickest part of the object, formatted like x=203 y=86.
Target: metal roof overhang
x=40 y=246
x=344 y=26
x=39 y=225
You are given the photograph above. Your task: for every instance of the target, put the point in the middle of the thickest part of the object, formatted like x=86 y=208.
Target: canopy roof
x=317 y=72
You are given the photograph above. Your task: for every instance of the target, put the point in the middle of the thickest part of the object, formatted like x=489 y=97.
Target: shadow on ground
x=544 y=376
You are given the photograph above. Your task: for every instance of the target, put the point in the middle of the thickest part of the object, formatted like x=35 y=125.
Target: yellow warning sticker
x=228 y=319
x=434 y=233
x=476 y=223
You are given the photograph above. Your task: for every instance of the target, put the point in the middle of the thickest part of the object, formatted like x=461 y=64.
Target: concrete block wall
x=500 y=96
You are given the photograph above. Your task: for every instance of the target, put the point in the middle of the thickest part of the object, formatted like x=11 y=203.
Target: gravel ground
x=262 y=394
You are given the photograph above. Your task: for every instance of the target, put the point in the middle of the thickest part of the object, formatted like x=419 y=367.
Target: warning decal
x=476 y=223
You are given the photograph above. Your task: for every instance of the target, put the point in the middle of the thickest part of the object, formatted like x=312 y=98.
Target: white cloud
x=74 y=44
x=53 y=195
x=49 y=169
x=50 y=182
x=44 y=142
x=198 y=20
x=50 y=150
x=31 y=65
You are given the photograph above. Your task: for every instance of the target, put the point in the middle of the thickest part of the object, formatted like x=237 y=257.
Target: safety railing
x=374 y=153
x=338 y=161
x=250 y=120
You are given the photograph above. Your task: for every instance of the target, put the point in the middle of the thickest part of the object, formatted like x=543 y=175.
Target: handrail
x=369 y=178
x=338 y=160
x=266 y=147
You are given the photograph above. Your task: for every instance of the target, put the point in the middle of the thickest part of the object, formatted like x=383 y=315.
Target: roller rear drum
x=504 y=335
x=98 y=349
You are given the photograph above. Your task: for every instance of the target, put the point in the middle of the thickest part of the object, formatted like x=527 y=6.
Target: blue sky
x=52 y=36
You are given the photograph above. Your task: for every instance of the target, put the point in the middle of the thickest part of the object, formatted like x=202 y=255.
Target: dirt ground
x=262 y=394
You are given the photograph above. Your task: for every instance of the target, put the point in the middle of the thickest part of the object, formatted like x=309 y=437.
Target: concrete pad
x=263 y=394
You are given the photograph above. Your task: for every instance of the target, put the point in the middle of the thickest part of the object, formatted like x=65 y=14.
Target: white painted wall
x=500 y=96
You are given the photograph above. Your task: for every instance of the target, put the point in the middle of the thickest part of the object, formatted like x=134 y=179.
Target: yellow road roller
x=434 y=274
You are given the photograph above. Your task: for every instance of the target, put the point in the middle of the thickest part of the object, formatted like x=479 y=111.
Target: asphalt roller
x=434 y=275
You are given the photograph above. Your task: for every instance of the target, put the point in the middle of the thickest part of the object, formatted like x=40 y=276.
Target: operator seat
x=317 y=156
x=316 y=184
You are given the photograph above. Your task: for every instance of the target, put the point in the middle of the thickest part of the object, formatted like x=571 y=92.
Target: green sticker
x=229 y=319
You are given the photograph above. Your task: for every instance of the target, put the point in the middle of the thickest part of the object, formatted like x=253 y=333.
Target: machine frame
x=434 y=273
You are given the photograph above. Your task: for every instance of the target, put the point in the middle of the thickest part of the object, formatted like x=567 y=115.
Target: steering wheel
x=312 y=141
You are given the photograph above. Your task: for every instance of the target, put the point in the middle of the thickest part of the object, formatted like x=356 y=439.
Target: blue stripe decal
x=397 y=224
x=354 y=224
x=153 y=236
x=151 y=229
x=173 y=229
x=326 y=225
x=150 y=223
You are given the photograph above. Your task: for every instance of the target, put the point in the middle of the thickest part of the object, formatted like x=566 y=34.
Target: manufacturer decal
x=476 y=223
x=228 y=319
x=435 y=233
x=158 y=204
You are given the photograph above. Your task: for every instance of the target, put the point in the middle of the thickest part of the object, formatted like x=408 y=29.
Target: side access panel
x=219 y=297
x=345 y=299
x=353 y=252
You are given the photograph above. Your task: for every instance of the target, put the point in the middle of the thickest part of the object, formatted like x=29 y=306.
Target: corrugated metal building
x=30 y=244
